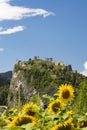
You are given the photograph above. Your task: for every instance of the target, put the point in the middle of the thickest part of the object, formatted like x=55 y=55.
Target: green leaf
x=28 y=126
x=17 y=128
x=85 y=128
x=65 y=116
x=48 y=97
x=81 y=118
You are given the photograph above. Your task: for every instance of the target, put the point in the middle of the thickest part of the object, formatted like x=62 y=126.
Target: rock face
x=28 y=79
x=19 y=92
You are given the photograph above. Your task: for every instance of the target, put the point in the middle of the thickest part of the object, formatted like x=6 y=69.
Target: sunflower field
x=57 y=115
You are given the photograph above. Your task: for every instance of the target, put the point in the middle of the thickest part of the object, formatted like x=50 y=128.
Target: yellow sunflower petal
x=54 y=106
x=29 y=109
x=22 y=119
x=66 y=93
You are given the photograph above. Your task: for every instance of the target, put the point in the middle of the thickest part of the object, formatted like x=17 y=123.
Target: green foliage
x=4 y=87
x=44 y=119
x=81 y=99
x=41 y=76
x=4 y=81
x=44 y=73
x=4 y=95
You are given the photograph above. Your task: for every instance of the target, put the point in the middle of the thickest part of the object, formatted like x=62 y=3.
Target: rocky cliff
x=39 y=76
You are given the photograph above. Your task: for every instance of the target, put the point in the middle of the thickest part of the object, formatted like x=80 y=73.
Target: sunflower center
x=68 y=127
x=83 y=124
x=31 y=113
x=65 y=94
x=55 y=107
x=61 y=128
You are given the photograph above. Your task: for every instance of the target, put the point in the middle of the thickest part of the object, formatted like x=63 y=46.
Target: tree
x=81 y=100
x=4 y=95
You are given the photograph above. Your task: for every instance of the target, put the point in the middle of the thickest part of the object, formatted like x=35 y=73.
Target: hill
x=5 y=79
x=7 y=74
x=41 y=76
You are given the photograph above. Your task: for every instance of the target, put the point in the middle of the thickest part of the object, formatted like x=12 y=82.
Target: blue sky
x=44 y=28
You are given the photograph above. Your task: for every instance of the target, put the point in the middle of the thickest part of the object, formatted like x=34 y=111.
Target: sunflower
x=22 y=119
x=65 y=93
x=29 y=109
x=67 y=125
x=54 y=106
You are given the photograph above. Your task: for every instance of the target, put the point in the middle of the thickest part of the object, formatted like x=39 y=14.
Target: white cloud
x=12 y=30
x=10 y=12
x=84 y=72
x=4 y=1
x=85 y=65
x=1 y=49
